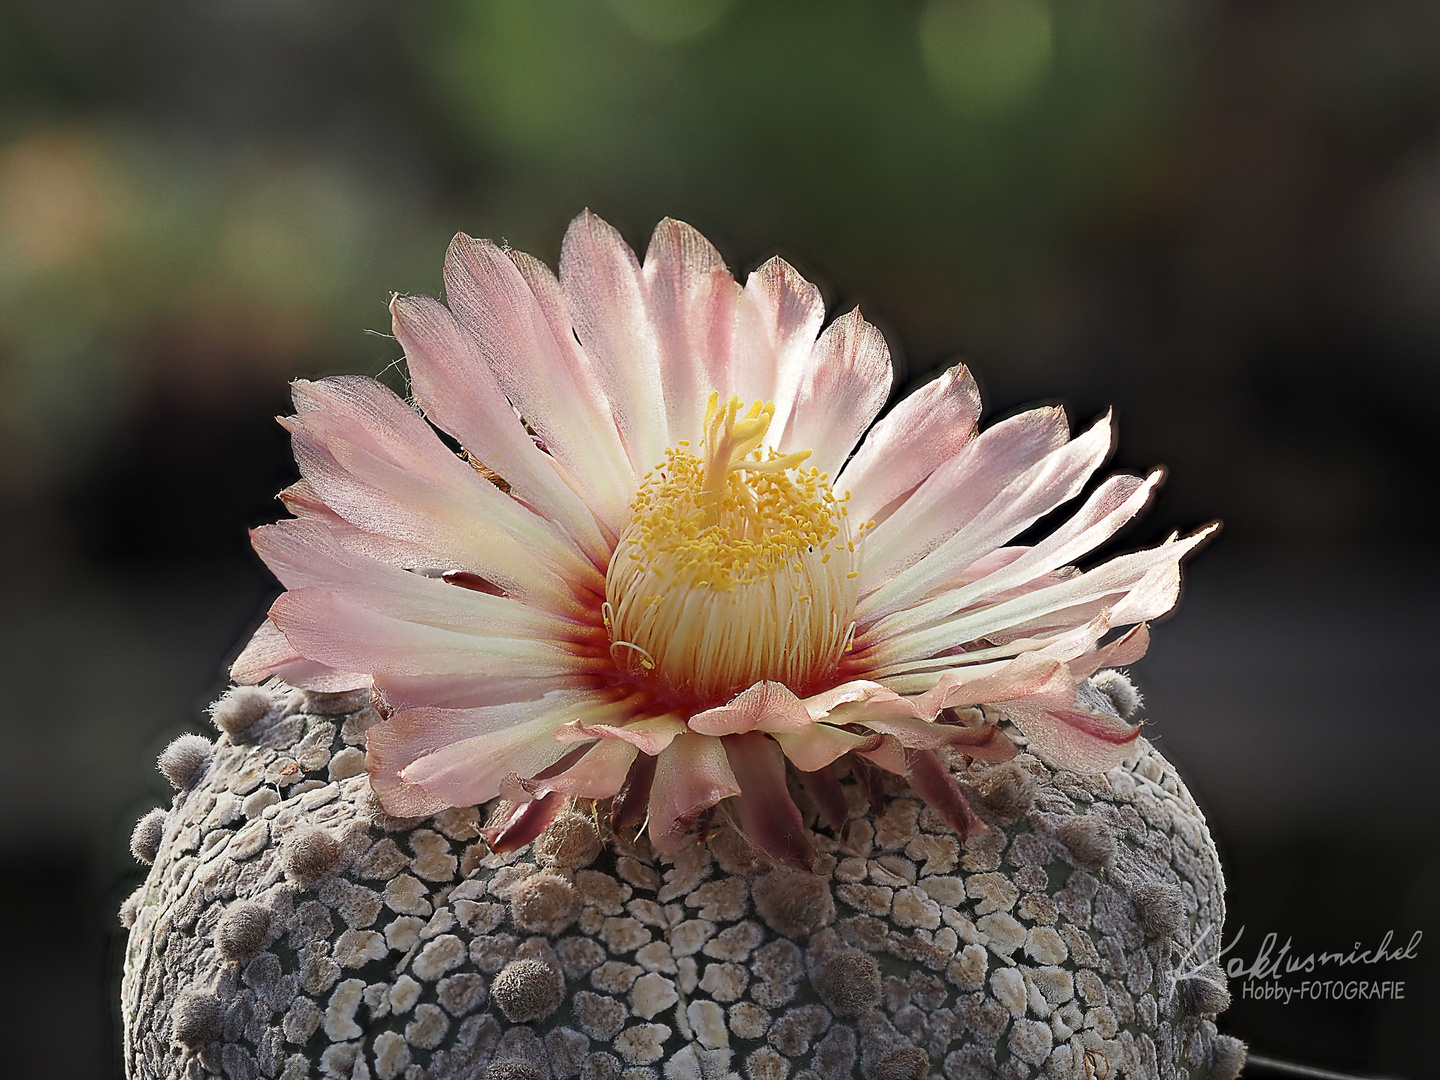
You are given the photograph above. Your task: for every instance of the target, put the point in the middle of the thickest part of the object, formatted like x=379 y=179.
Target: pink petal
x=524 y=824
x=780 y=315
x=459 y=757
x=768 y=816
x=825 y=792
x=1026 y=676
x=769 y=706
x=1054 y=479
x=511 y=306
x=460 y=393
x=627 y=809
x=269 y=655
x=379 y=466
x=985 y=742
x=821 y=744
x=843 y=388
x=474 y=689
x=1072 y=739
x=933 y=783
x=605 y=294
x=1124 y=650
x=305 y=553
x=336 y=631
x=889 y=755
x=910 y=442
x=692 y=300
x=650 y=735
x=599 y=774
x=692 y=774
x=1153 y=574
x=956 y=491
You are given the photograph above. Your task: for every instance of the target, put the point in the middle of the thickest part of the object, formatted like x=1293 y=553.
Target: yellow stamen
x=725 y=576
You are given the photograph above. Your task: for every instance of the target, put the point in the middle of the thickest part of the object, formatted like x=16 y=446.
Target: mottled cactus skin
x=289 y=928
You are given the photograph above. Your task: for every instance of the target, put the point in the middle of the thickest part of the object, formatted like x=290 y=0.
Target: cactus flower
x=638 y=540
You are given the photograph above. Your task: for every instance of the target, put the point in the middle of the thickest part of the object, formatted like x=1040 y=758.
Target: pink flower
x=674 y=576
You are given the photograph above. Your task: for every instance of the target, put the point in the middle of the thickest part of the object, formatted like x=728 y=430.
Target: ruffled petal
x=598 y=774
x=692 y=774
x=768 y=816
x=769 y=706
x=1124 y=650
x=820 y=745
x=650 y=735
x=460 y=393
x=605 y=294
x=843 y=388
x=511 y=306
x=910 y=442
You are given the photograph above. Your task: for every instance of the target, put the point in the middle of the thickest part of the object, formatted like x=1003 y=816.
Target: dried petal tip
x=310 y=856
x=195 y=1019
x=906 y=1063
x=1227 y=1057
x=527 y=990
x=1203 y=992
x=1089 y=842
x=569 y=842
x=1116 y=686
x=240 y=709
x=185 y=760
x=793 y=902
x=544 y=903
x=145 y=840
x=243 y=930
x=848 y=982
x=1158 y=908
x=513 y=1069
x=1007 y=791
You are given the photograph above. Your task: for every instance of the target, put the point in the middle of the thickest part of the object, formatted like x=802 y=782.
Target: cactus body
x=290 y=929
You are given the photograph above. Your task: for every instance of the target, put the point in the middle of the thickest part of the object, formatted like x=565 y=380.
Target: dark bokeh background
x=1221 y=217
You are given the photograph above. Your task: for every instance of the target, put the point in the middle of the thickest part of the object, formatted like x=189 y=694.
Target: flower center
x=739 y=565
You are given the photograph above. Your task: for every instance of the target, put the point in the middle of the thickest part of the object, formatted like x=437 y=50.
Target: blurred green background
x=1222 y=218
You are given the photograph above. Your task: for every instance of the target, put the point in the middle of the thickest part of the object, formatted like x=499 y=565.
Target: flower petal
x=692 y=300
x=955 y=492
x=692 y=774
x=605 y=295
x=768 y=816
x=910 y=442
x=460 y=393
x=599 y=774
x=1124 y=650
x=337 y=631
x=769 y=706
x=843 y=387
x=820 y=745
x=511 y=306
x=933 y=783
x=1054 y=479
x=650 y=735
x=1073 y=739
x=269 y=655
x=779 y=318
x=424 y=760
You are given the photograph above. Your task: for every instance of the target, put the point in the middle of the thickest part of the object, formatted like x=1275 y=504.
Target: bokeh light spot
x=984 y=56
x=669 y=22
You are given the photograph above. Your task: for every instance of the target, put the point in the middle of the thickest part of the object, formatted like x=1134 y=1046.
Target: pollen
x=739 y=564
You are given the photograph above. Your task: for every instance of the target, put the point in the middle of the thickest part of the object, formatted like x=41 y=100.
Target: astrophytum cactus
x=290 y=928
x=794 y=760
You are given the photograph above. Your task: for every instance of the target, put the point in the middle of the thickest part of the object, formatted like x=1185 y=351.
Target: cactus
x=290 y=928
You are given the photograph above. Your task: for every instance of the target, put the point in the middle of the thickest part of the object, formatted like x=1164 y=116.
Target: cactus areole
x=792 y=760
